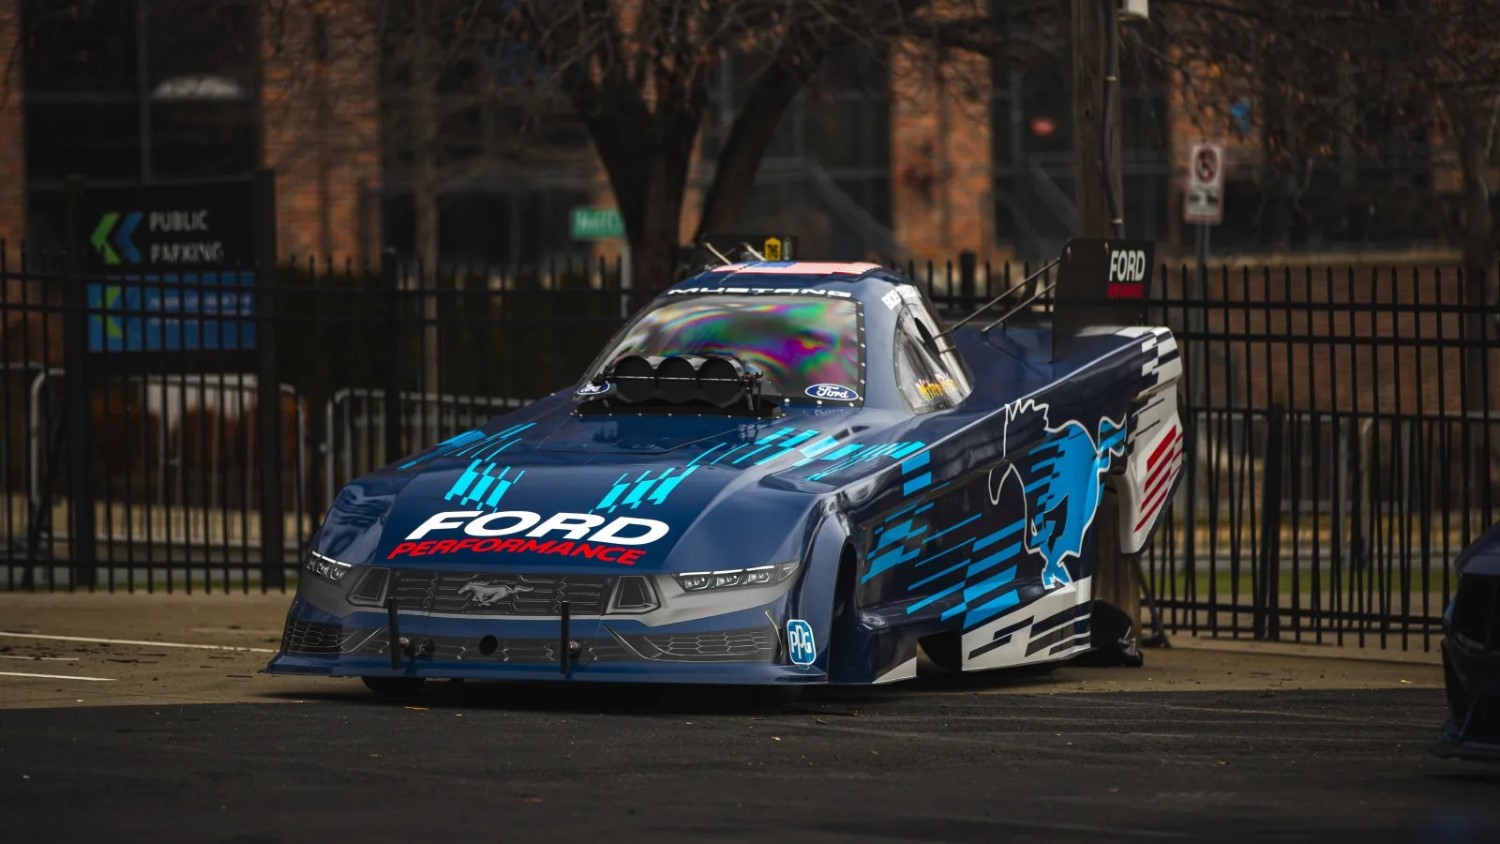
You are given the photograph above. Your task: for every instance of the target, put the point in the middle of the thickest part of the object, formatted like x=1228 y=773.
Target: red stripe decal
x=1166 y=470
x=1165 y=443
x=1153 y=503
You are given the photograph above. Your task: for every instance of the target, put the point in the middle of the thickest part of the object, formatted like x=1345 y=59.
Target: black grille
x=512 y=651
x=1476 y=612
x=750 y=645
x=474 y=593
x=307 y=637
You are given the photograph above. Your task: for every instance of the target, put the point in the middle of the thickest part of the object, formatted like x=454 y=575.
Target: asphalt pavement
x=526 y=764
x=164 y=732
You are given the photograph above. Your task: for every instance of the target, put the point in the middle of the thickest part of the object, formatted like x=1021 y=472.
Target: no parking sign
x=1205 y=191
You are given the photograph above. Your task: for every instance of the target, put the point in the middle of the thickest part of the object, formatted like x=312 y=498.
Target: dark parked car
x=1471 y=653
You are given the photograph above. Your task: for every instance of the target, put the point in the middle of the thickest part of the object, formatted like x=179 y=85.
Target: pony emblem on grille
x=489 y=593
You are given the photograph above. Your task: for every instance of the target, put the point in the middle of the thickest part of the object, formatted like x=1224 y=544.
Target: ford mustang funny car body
x=776 y=473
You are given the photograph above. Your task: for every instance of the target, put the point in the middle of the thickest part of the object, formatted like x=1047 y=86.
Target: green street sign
x=596 y=223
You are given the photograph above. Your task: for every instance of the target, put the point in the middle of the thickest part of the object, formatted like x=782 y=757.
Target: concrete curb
x=1313 y=651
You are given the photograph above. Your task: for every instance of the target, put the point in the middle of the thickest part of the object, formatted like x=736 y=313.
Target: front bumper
x=1471 y=670
x=745 y=644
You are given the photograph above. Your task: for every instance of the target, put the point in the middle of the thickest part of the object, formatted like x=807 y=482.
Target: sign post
x=1203 y=206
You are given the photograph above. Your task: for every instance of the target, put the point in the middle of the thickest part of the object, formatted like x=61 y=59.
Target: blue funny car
x=776 y=473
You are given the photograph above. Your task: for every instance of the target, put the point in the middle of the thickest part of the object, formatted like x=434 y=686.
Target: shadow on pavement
x=621 y=698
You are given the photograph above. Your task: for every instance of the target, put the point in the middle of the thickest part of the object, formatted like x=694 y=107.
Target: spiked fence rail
x=1343 y=433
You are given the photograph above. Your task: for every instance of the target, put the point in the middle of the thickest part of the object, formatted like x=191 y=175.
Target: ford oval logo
x=832 y=392
x=591 y=389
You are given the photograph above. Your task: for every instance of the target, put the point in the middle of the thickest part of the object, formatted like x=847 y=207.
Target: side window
x=921 y=375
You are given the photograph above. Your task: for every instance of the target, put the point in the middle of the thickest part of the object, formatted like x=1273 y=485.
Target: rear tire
x=394 y=688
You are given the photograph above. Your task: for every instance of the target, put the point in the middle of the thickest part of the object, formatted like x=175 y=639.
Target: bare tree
x=1343 y=78
x=638 y=75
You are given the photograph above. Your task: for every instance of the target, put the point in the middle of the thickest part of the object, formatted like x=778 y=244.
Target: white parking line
x=57 y=677
x=234 y=631
x=42 y=658
x=137 y=642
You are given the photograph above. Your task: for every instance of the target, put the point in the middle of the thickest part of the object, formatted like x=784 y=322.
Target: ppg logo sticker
x=832 y=392
x=799 y=642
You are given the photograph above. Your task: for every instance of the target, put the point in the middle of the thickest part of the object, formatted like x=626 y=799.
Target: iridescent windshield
x=798 y=343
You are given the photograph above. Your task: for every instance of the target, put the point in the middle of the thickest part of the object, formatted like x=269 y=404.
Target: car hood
x=721 y=492
x=1482 y=556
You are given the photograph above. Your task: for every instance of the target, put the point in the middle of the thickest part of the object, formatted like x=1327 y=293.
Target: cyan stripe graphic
x=916 y=463
x=499 y=448
x=614 y=493
x=501 y=486
x=925 y=560
x=817 y=448
x=899 y=511
x=899 y=531
x=749 y=454
x=936 y=596
x=890 y=559
x=939 y=576
x=906 y=448
x=464 y=481
x=705 y=454
x=729 y=452
x=979 y=590
x=986 y=541
x=453 y=442
x=664 y=489
x=993 y=608
x=642 y=485
x=474 y=482
x=952 y=529
x=480 y=485
x=788 y=446
x=834 y=455
x=774 y=435
x=995 y=559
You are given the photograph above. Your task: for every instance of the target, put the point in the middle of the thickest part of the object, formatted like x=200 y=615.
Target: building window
x=133 y=91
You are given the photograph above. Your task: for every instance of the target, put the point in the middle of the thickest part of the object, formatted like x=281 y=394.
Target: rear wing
x=1101 y=286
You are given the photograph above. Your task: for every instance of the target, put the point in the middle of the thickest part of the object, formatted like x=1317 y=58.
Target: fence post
x=967 y=270
x=1267 y=607
x=390 y=278
x=267 y=385
x=78 y=416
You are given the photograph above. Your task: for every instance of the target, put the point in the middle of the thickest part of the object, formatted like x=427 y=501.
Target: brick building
x=173 y=91
x=898 y=154
x=903 y=153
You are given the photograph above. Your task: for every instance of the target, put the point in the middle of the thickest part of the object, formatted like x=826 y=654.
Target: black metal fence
x=1342 y=423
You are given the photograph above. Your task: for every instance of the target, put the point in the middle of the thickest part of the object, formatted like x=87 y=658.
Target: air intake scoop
x=699 y=384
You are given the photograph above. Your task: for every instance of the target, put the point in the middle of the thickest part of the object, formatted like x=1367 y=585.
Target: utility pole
x=1098 y=186
x=1098 y=193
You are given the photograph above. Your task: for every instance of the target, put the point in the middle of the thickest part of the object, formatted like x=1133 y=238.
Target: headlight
x=702 y=581
x=326 y=567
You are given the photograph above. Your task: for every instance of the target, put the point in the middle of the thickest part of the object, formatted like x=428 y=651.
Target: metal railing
x=1343 y=433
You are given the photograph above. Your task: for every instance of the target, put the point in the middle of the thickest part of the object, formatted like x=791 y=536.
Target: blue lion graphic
x=1063 y=481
